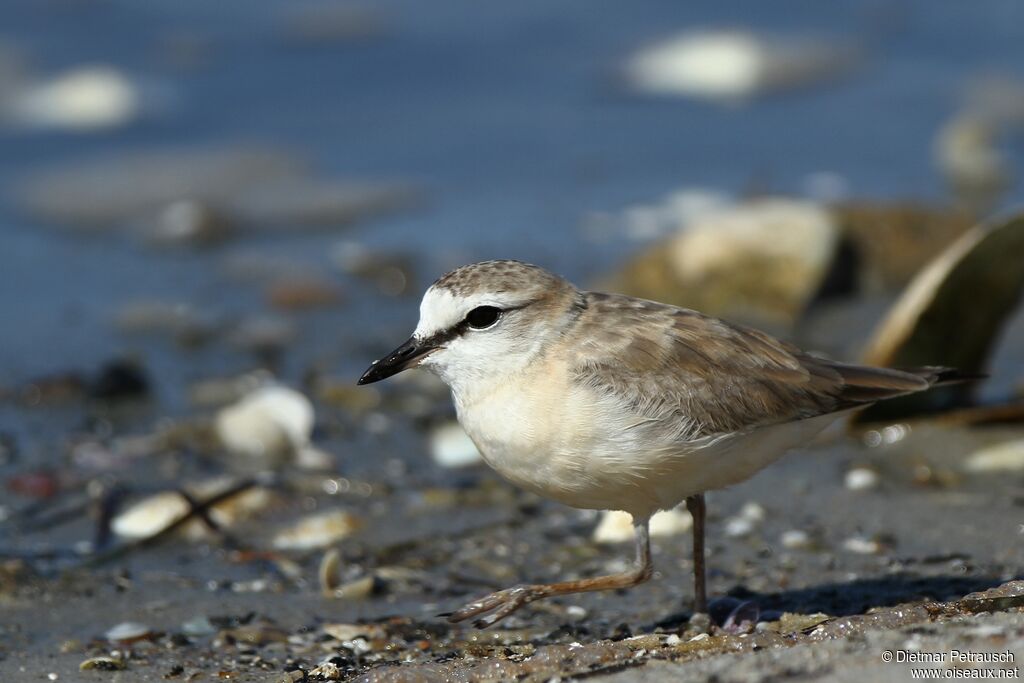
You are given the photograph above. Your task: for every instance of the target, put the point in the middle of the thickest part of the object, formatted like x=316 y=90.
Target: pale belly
x=565 y=445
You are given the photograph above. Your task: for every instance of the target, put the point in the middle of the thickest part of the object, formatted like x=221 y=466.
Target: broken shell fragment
x=272 y=421
x=924 y=326
x=450 y=446
x=1002 y=457
x=128 y=632
x=155 y=513
x=617 y=526
x=317 y=531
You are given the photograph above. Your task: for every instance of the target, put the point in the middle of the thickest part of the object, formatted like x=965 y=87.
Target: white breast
x=564 y=442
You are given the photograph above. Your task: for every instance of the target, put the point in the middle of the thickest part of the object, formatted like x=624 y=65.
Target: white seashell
x=317 y=531
x=450 y=446
x=617 y=526
x=155 y=513
x=127 y=631
x=862 y=546
x=270 y=421
x=795 y=539
x=88 y=97
x=733 y=65
x=861 y=479
x=1003 y=457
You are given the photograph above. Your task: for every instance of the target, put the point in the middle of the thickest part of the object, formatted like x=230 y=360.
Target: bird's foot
x=499 y=604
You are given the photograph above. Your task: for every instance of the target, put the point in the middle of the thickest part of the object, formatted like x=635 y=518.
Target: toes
x=504 y=602
x=515 y=599
x=481 y=606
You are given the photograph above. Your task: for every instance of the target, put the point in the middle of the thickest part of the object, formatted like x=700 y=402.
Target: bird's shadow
x=858 y=596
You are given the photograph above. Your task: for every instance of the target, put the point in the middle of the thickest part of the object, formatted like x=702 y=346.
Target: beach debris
x=617 y=526
x=967 y=153
x=314 y=459
x=102 y=663
x=120 y=379
x=647 y=221
x=113 y=192
x=260 y=267
x=734 y=616
x=262 y=334
x=170 y=510
x=861 y=479
x=38 y=483
x=745 y=521
x=189 y=223
x=271 y=422
x=128 y=632
x=764 y=260
x=892 y=241
x=861 y=545
x=84 y=98
x=358 y=589
x=450 y=446
x=1007 y=456
x=923 y=327
x=317 y=531
x=392 y=273
x=220 y=391
x=115 y=380
x=329 y=571
x=180 y=320
x=198 y=627
x=346 y=632
x=734 y=65
x=796 y=539
x=303 y=293
x=967 y=147
x=304 y=202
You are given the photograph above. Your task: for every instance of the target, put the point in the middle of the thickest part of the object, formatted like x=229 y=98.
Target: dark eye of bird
x=483 y=316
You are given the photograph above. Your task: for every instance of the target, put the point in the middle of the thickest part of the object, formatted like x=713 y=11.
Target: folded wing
x=664 y=362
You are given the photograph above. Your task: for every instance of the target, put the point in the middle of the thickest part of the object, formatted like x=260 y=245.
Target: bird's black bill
x=401 y=358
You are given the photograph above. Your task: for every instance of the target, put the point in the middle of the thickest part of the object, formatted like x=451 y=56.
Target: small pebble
x=329 y=571
x=127 y=632
x=795 y=539
x=317 y=531
x=198 y=626
x=862 y=546
x=744 y=523
x=450 y=446
x=861 y=479
x=102 y=664
x=346 y=632
x=1002 y=457
x=269 y=421
x=575 y=612
x=358 y=589
x=87 y=97
x=617 y=526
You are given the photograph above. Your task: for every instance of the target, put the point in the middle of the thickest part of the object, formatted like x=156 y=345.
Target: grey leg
x=695 y=504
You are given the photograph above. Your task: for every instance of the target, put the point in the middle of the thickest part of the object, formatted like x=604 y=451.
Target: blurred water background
x=511 y=119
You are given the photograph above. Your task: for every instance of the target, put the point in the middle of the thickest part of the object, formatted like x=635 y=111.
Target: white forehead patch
x=441 y=310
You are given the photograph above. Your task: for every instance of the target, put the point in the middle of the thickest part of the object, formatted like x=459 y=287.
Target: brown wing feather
x=664 y=361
